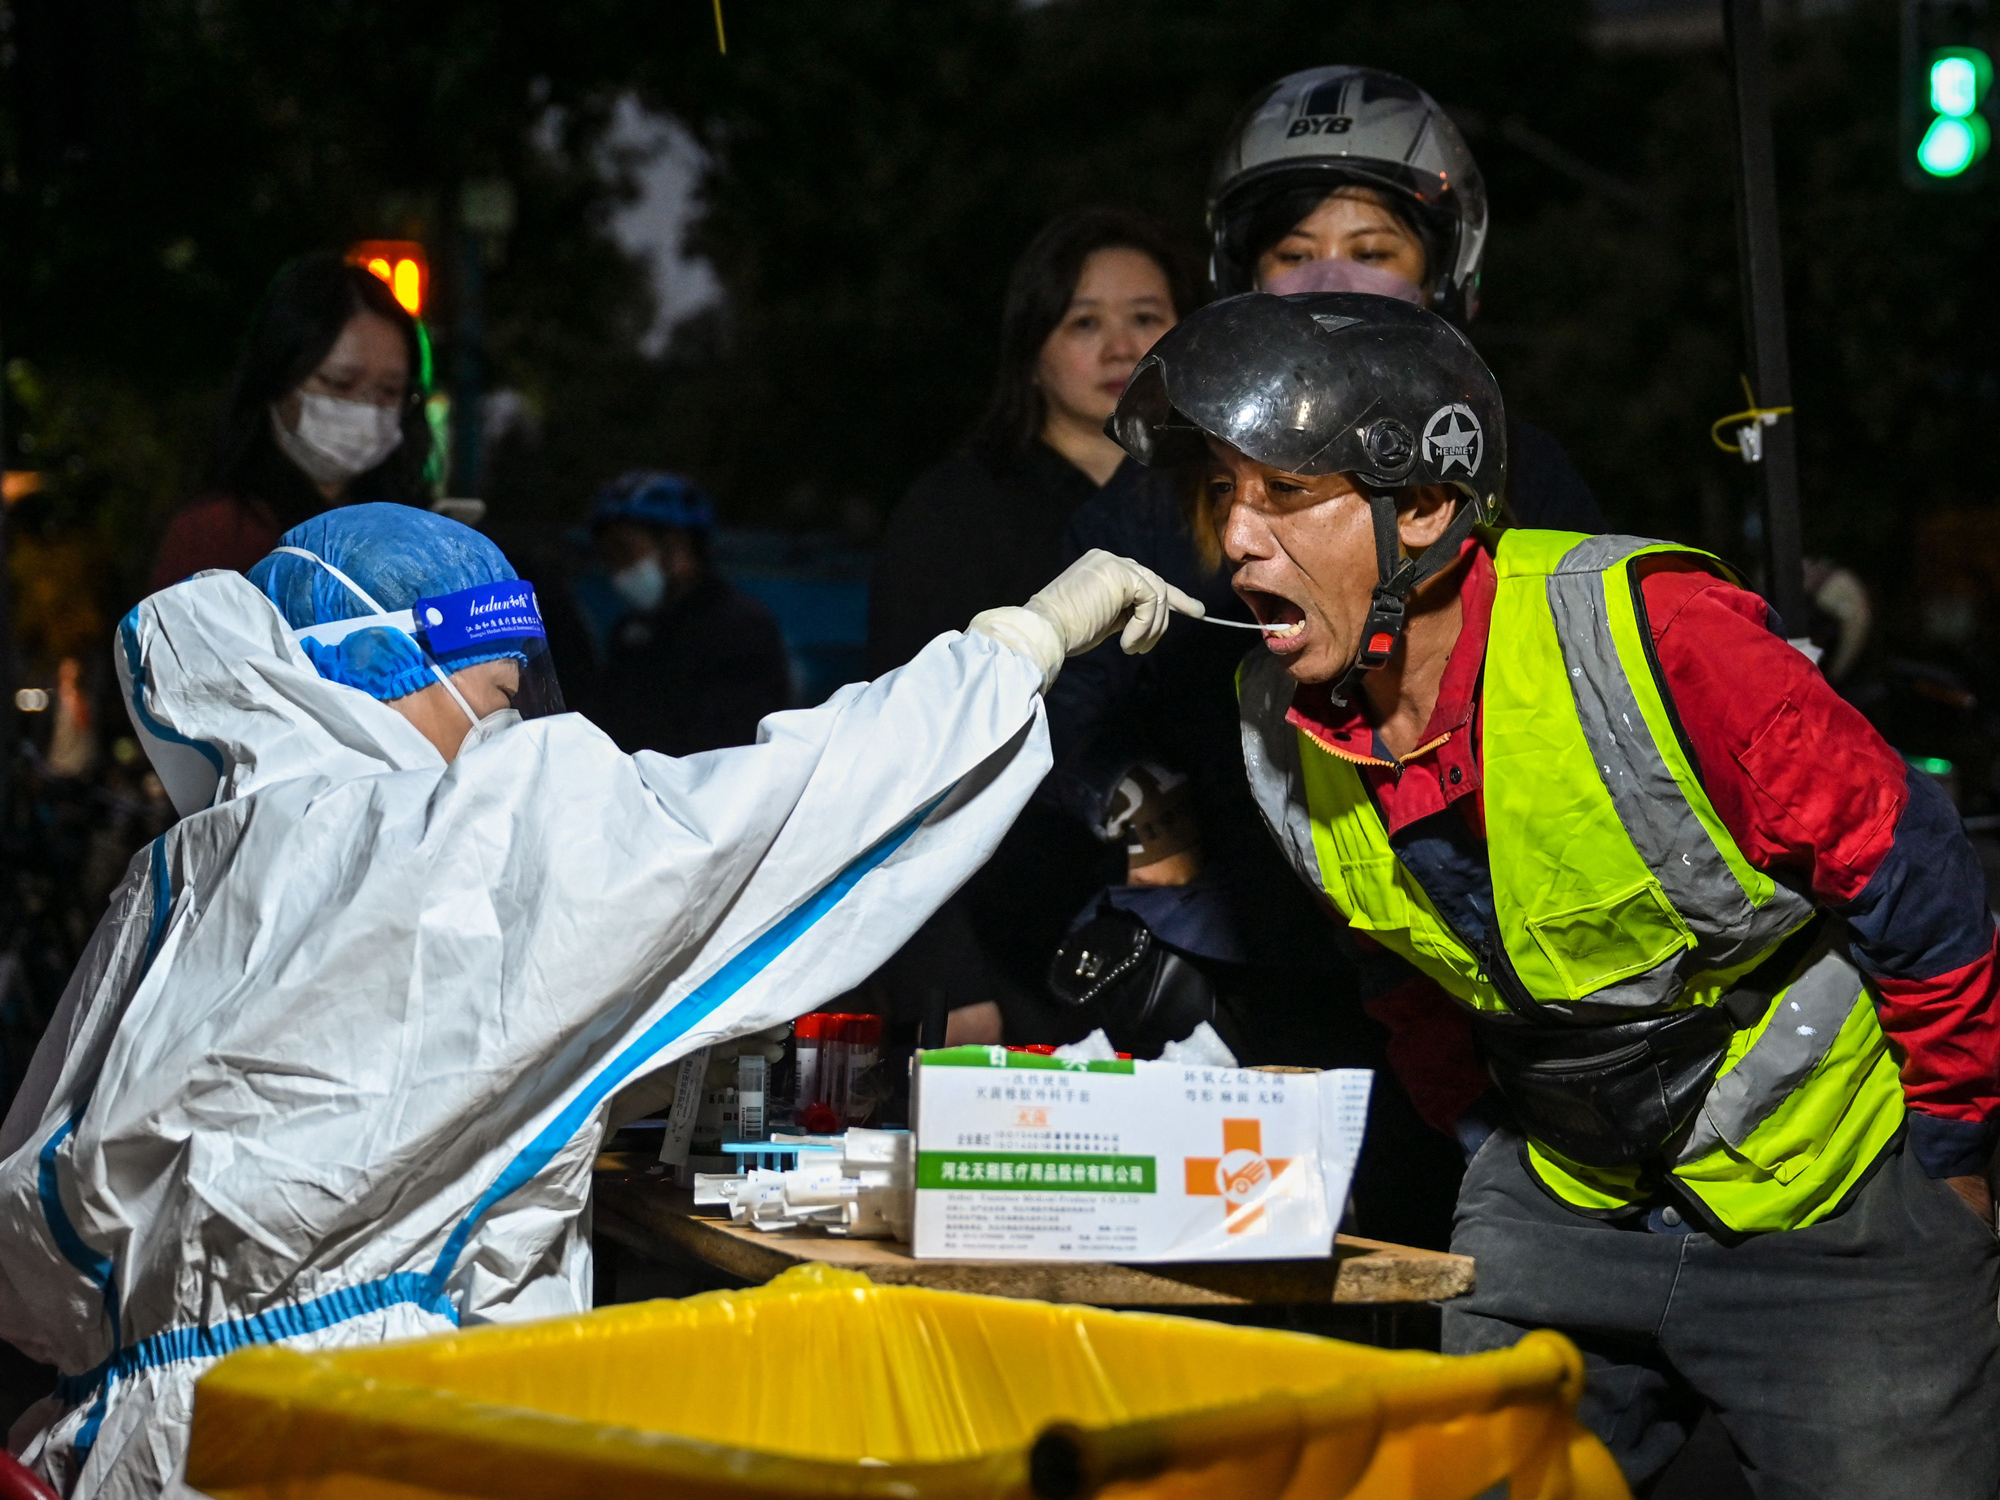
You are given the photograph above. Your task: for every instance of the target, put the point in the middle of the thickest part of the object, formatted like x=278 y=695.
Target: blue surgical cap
x=653 y=499
x=399 y=554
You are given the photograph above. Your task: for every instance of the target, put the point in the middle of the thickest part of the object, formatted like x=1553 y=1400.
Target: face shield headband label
x=484 y=613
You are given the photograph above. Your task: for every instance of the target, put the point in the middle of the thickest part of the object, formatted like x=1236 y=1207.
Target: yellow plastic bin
x=822 y=1383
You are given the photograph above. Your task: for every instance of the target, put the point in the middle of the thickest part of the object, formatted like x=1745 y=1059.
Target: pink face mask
x=1343 y=276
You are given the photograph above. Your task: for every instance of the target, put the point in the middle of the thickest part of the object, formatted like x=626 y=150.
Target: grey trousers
x=1858 y=1358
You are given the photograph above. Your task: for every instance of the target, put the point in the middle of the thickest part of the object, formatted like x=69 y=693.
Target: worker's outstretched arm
x=793 y=867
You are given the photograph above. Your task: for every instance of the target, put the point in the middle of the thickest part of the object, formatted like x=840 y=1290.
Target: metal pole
x=468 y=433
x=1764 y=307
x=8 y=738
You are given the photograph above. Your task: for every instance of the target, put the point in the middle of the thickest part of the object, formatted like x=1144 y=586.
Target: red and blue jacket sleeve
x=1812 y=794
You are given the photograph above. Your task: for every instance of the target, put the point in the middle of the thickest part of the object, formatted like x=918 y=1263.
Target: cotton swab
x=1244 y=624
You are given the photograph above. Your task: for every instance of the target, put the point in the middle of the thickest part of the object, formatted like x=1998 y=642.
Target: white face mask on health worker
x=337 y=439
x=484 y=729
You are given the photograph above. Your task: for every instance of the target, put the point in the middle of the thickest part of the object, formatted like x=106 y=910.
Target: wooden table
x=645 y=1215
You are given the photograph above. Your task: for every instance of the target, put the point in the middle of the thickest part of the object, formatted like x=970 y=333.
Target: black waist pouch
x=1616 y=1095
x=1607 y=1096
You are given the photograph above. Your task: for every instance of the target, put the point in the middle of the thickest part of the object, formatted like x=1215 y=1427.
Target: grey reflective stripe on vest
x=1728 y=929
x=1271 y=760
x=1809 y=1016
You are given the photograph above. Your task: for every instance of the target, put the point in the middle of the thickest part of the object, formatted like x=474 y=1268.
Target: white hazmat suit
x=336 y=1065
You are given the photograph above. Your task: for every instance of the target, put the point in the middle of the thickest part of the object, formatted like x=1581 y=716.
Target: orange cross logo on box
x=1239 y=1175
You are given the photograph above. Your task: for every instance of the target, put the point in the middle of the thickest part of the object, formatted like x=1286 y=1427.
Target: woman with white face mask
x=326 y=408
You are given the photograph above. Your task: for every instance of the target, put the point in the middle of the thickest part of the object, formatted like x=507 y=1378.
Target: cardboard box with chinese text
x=1021 y=1157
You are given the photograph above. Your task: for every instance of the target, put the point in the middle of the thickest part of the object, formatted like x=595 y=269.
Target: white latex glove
x=1094 y=596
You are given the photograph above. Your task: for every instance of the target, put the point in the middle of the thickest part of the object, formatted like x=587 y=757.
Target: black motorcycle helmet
x=1331 y=383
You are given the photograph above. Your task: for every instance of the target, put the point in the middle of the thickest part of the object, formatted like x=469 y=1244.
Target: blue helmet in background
x=652 y=498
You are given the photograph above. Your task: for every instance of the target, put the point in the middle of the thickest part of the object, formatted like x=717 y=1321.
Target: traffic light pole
x=9 y=717
x=485 y=215
x=1764 y=308
x=468 y=434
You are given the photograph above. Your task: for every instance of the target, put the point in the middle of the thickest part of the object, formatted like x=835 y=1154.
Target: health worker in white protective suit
x=337 y=1061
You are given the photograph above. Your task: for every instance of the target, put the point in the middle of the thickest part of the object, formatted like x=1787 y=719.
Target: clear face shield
x=491 y=622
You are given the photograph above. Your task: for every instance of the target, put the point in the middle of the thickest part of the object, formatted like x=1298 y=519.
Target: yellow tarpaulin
x=822 y=1383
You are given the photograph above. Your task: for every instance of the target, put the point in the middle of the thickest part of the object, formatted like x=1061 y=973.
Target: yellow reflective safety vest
x=1618 y=894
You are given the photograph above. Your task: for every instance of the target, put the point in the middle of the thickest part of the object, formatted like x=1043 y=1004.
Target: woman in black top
x=1085 y=302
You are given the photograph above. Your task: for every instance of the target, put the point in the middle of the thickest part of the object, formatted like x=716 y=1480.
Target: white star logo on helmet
x=1453 y=436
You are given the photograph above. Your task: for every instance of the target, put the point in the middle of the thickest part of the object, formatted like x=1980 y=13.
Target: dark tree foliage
x=875 y=167
x=1622 y=330
x=162 y=158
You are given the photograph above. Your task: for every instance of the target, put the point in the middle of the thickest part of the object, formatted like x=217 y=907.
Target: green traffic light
x=1960 y=77
x=1959 y=135
x=1951 y=145
x=1954 y=87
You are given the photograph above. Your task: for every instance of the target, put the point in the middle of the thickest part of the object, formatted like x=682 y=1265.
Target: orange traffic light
x=402 y=264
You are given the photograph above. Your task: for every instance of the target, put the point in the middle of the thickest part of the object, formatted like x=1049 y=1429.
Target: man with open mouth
x=1698 y=970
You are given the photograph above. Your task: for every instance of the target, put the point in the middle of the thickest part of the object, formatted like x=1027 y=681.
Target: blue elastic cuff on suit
x=1951 y=1148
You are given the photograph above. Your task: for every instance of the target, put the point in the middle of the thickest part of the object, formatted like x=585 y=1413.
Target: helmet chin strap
x=1396 y=577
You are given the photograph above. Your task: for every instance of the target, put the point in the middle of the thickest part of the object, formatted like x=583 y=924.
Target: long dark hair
x=309 y=303
x=1038 y=294
x=1264 y=223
